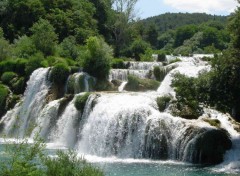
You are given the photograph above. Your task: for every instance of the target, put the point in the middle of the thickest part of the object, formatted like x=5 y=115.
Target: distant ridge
x=168 y=21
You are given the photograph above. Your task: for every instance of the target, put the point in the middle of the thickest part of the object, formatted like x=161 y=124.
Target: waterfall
x=143 y=65
x=121 y=74
x=23 y=115
x=140 y=69
x=80 y=82
x=124 y=124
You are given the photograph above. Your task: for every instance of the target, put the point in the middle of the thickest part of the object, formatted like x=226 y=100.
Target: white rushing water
x=119 y=126
x=24 y=114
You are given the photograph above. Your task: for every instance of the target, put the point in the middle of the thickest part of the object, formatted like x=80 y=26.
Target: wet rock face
x=210 y=147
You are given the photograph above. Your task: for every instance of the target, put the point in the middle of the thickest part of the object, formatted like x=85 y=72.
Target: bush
x=137 y=84
x=17 y=65
x=118 y=63
x=34 y=63
x=5 y=49
x=139 y=47
x=162 y=102
x=44 y=37
x=24 y=47
x=59 y=74
x=67 y=164
x=68 y=48
x=4 y=92
x=80 y=101
x=187 y=95
x=97 y=58
x=161 y=57
x=30 y=160
x=7 y=77
x=18 y=86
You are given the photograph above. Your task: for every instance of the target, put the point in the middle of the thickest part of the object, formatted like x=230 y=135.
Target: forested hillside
x=170 y=21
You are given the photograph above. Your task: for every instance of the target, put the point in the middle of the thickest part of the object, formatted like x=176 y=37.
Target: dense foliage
x=97 y=58
x=60 y=73
x=31 y=159
x=218 y=88
x=80 y=101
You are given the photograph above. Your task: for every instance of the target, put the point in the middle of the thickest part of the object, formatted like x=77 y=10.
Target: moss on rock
x=137 y=84
x=163 y=102
x=80 y=101
x=4 y=93
x=213 y=122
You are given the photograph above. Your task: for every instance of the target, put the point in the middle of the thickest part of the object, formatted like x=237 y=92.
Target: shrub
x=30 y=160
x=157 y=72
x=19 y=85
x=161 y=57
x=68 y=48
x=7 y=77
x=4 y=92
x=34 y=63
x=97 y=58
x=59 y=74
x=80 y=101
x=139 y=47
x=17 y=65
x=44 y=37
x=118 y=63
x=5 y=49
x=24 y=47
x=187 y=95
x=104 y=85
x=162 y=102
x=67 y=163
x=137 y=84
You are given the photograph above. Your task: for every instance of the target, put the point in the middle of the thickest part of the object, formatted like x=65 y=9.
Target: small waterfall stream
x=124 y=124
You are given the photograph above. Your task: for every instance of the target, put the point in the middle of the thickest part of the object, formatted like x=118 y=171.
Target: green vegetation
x=31 y=159
x=160 y=73
x=187 y=104
x=44 y=37
x=7 y=77
x=59 y=74
x=97 y=58
x=213 y=122
x=162 y=102
x=3 y=99
x=118 y=63
x=80 y=101
x=73 y=34
x=137 y=84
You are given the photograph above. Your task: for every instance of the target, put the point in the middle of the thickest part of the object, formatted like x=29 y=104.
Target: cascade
x=80 y=82
x=124 y=125
x=24 y=114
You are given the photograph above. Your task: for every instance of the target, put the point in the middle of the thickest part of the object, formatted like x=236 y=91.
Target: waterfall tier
x=124 y=125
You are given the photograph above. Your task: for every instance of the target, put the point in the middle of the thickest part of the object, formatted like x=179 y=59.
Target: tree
x=68 y=48
x=71 y=17
x=139 y=47
x=44 y=37
x=151 y=34
x=24 y=47
x=183 y=33
x=19 y=15
x=124 y=14
x=5 y=47
x=102 y=16
x=97 y=58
